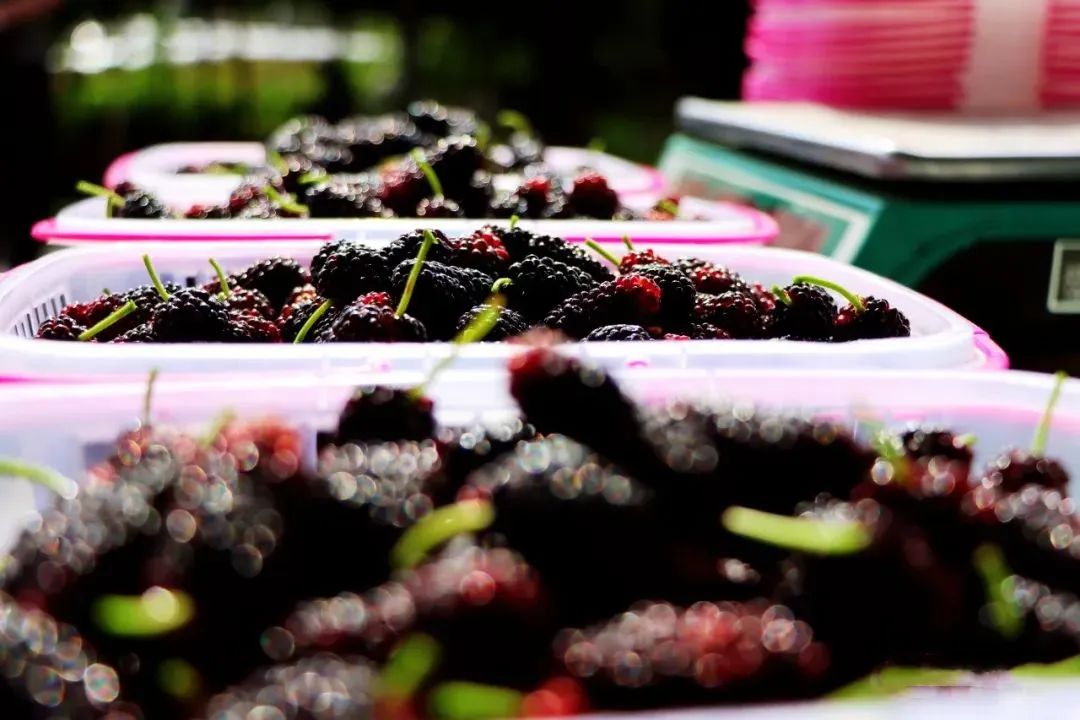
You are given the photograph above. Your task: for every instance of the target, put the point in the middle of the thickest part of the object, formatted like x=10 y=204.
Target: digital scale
x=980 y=213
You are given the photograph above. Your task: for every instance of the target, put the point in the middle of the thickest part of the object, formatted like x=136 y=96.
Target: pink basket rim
x=763 y=232
x=117 y=172
x=994 y=356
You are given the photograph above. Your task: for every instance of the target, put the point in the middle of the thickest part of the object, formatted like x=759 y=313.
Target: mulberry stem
x=429 y=172
x=114 y=317
x=1042 y=432
x=223 y=279
x=310 y=322
x=414 y=274
x=851 y=297
x=158 y=285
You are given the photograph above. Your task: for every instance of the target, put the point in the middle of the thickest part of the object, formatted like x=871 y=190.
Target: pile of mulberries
x=352 y=292
x=586 y=555
x=363 y=167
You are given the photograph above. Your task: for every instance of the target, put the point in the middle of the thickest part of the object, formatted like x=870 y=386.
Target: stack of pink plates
x=1061 y=55
x=1004 y=55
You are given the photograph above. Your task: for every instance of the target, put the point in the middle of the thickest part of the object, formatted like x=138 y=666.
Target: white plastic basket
x=725 y=223
x=155 y=168
x=69 y=426
x=34 y=292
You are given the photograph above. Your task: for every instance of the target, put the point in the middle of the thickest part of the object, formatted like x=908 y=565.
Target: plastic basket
x=69 y=427
x=726 y=223
x=37 y=291
x=155 y=168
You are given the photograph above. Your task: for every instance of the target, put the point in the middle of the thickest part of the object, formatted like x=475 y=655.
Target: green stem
x=597 y=144
x=114 y=317
x=997 y=579
x=483 y=323
x=851 y=297
x=1067 y=668
x=1042 y=433
x=158 y=285
x=781 y=294
x=459 y=700
x=514 y=120
x=890 y=448
x=414 y=274
x=216 y=169
x=223 y=279
x=599 y=250
x=313 y=176
x=967 y=440
x=628 y=243
x=668 y=206
x=514 y=220
x=475 y=331
x=222 y=421
x=409 y=664
x=89 y=188
x=483 y=136
x=148 y=396
x=277 y=162
x=285 y=202
x=818 y=537
x=895 y=680
x=501 y=284
x=438 y=526
x=39 y=475
x=429 y=172
x=179 y=678
x=154 y=613
x=310 y=322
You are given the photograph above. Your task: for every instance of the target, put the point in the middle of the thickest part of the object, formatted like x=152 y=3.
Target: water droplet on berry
x=278 y=644
x=882 y=472
x=477 y=588
x=247 y=560
x=284 y=464
x=265 y=712
x=128 y=452
x=1061 y=536
x=45 y=686
x=582 y=659
x=102 y=684
x=181 y=525
x=631 y=670
x=70 y=661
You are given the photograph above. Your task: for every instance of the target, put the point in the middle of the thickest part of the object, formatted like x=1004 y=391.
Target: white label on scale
x=1064 y=295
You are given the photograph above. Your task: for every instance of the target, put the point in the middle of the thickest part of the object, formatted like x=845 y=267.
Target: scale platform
x=981 y=213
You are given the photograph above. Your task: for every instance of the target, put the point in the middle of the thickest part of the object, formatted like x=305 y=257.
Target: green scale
x=981 y=213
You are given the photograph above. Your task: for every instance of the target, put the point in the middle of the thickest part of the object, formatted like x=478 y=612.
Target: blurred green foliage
x=581 y=70
x=124 y=74
x=129 y=74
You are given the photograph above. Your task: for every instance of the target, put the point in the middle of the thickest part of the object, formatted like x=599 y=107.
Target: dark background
x=92 y=80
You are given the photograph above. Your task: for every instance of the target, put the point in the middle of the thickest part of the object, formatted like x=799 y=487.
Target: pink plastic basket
x=725 y=223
